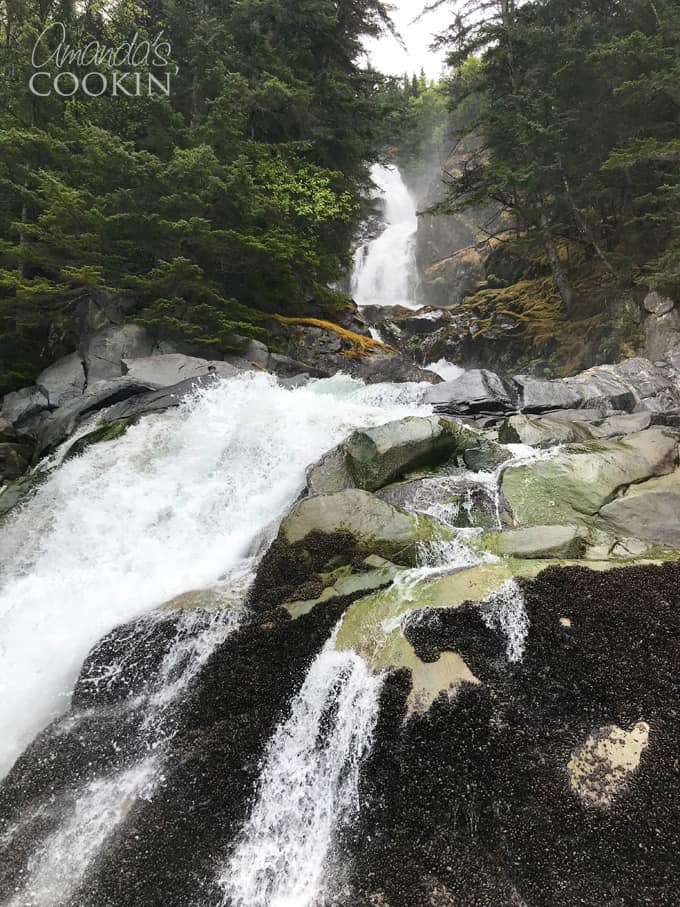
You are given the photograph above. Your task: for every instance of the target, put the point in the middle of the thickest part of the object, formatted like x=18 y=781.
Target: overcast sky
x=388 y=56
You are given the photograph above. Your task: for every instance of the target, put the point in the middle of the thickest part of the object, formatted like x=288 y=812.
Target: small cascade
x=87 y=816
x=505 y=612
x=308 y=788
x=175 y=504
x=384 y=271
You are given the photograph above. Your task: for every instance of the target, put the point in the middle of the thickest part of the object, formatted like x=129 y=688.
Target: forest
x=238 y=191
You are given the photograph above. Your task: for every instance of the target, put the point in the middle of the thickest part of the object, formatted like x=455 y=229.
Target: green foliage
x=576 y=117
x=237 y=195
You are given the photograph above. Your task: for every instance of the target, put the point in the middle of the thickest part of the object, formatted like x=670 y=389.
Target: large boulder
x=103 y=352
x=60 y=424
x=649 y=510
x=166 y=371
x=475 y=391
x=539 y=395
x=600 y=388
x=21 y=406
x=63 y=380
x=571 y=487
x=538 y=542
x=542 y=432
x=159 y=400
x=375 y=526
x=372 y=458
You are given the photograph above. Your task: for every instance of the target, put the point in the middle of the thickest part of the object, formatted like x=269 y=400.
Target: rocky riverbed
x=500 y=550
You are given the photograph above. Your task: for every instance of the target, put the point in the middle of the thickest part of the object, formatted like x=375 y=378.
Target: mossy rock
x=108 y=431
x=571 y=487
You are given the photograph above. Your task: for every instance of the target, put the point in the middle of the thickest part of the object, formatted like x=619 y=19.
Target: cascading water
x=308 y=788
x=176 y=504
x=385 y=268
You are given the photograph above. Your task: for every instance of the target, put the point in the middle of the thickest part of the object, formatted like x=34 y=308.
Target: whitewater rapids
x=183 y=501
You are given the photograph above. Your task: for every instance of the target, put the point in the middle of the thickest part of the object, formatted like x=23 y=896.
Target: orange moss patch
x=360 y=346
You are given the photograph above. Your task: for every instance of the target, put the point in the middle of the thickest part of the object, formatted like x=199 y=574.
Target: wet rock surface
x=471 y=804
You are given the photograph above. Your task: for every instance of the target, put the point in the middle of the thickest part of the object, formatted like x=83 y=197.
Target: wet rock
x=19 y=406
x=473 y=803
x=375 y=526
x=475 y=391
x=156 y=401
x=378 y=369
x=372 y=458
x=14 y=461
x=63 y=380
x=166 y=371
x=539 y=395
x=625 y=424
x=538 y=542
x=64 y=421
x=108 y=431
x=599 y=388
x=104 y=351
x=648 y=510
x=600 y=769
x=543 y=432
x=571 y=487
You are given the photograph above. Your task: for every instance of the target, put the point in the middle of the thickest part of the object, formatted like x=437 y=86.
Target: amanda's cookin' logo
x=133 y=68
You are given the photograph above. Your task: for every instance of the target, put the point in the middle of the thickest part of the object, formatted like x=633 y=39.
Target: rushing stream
x=188 y=500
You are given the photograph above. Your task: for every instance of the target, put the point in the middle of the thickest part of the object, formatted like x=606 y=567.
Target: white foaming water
x=308 y=787
x=505 y=611
x=445 y=369
x=385 y=268
x=61 y=861
x=174 y=505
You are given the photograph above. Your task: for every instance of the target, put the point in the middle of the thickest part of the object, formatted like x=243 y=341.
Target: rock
x=103 y=353
x=571 y=487
x=625 y=424
x=590 y=416
x=642 y=376
x=63 y=380
x=18 y=490
x=62 y=423
x=376 y=527
x=7 y=431
x=108 y=431
x=156 y=401
x=648 y=510
x=349 y=584
x=539 y=395
x=662 y=333
x=372 y=458
x=378 y=369
x=286 y=367
x=543 y=432
x=657 y=304
x=14 y=461
x=538 y=542
x=166 y=371
x=475 y=391
x=21 y=405
x=600 y=769
x=599 y=388
x=254 y=353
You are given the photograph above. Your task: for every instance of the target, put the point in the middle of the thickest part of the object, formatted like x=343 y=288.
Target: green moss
x=109 y=431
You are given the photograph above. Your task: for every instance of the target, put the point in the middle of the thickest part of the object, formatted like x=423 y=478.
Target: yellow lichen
x=360 y=346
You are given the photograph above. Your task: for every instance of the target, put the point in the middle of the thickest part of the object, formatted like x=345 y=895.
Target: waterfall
x=174 y=505
x=88 y=816
x=308 y=788
x=385 y=268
